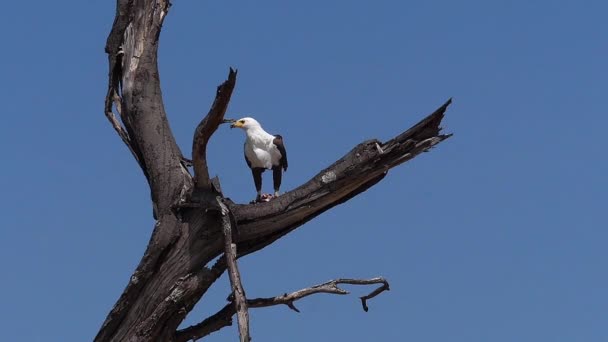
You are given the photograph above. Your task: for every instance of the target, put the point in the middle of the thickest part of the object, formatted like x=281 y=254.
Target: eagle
x=263 y=151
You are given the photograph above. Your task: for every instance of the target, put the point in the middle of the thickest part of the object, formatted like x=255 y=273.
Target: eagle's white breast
x=260 y=149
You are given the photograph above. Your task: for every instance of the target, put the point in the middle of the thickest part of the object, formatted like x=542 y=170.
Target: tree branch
x=223 y=318
x=132 y=48
x=132 y=56
x=364 y=166
x=207 y=127
x=240 y=301
x=173 y=274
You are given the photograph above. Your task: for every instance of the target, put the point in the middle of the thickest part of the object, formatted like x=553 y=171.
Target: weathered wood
x=238 y=292
x=262 y=223
x=223 y=317
x=132 y=53
x=207 y=127
x=175 y=272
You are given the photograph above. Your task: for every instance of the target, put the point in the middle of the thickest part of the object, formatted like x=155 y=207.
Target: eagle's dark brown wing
x=278 y=142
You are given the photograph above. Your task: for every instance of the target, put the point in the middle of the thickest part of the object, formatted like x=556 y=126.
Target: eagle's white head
x=246 y=124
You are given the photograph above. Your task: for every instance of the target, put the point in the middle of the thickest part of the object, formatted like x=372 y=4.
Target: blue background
x=498 y=234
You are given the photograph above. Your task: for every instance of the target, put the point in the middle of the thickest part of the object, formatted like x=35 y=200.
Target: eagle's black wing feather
x=278 y=142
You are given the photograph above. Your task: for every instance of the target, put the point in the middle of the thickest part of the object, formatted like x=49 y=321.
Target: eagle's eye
x=242 y=122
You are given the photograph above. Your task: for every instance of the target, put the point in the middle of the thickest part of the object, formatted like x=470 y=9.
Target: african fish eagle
x=263 y=151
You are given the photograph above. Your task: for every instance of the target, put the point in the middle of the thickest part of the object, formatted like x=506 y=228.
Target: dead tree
x=195 y=223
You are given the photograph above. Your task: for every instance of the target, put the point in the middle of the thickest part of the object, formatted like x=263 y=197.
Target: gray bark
x=175 y=271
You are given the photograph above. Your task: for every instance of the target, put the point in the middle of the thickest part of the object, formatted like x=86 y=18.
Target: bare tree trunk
x=174 y=272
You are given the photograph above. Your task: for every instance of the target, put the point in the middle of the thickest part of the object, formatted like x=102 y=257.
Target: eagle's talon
x=263 y=198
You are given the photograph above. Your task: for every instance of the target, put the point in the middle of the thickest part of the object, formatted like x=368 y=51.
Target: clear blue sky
x=499 y=234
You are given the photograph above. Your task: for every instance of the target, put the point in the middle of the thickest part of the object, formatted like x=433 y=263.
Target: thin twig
x=328 y=287
x=240 y=301
x=223 y=317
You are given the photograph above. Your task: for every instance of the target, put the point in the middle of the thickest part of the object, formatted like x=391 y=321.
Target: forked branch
x=223 y=317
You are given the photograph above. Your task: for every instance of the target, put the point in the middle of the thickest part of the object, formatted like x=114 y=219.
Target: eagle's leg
x=257 y=179
x=277 y=174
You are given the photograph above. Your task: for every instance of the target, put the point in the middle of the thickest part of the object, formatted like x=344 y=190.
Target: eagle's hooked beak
x=236 y=124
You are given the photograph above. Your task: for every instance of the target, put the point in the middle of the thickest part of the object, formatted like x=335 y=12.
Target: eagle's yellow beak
x=236 y=124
